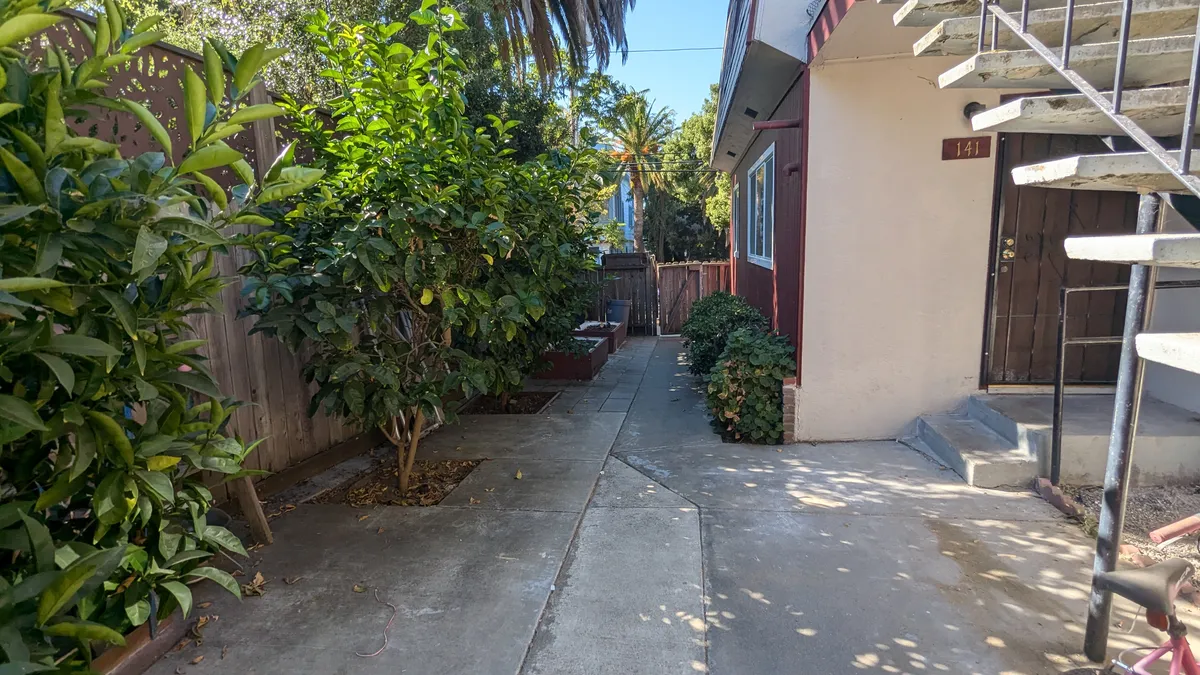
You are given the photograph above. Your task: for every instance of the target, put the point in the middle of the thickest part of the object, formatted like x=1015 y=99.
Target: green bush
x=109 y=417
x=424 y=241
x=712 y=320
x=745 y=388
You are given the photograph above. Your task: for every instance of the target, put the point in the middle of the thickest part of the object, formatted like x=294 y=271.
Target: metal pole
x=1060 y=373
x=1120 y=442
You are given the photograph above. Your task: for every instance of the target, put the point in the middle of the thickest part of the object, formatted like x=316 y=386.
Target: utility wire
x=676 y=49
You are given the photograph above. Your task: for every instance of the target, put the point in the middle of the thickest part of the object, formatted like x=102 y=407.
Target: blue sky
x=678 y=80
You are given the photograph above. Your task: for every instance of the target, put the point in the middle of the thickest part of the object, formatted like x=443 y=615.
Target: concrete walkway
x=637 y=542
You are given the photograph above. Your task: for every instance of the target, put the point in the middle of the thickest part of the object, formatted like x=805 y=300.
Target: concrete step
x=1160 y=250
x=1151 y=62
x=977 y=453
x=1092 y=24
x=1159 y=111
x=1120 y=171
x=1178 y=350
x=1166 y=446
x=933 y=12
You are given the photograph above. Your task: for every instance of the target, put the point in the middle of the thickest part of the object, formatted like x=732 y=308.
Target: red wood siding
x=776 y=291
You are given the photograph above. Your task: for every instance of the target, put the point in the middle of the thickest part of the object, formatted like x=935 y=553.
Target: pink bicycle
x=1155 y=588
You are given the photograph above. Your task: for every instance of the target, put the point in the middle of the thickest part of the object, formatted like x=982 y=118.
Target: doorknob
x=1008 y=249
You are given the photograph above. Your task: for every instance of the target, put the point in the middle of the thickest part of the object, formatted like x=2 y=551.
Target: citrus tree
x=374 y=269
x=109 y=414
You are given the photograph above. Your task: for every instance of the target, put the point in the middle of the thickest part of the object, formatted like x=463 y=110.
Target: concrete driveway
x=637 y=542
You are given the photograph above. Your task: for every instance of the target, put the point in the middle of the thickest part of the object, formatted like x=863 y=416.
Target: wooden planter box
x=615 y=333
x=564 y=366
x=140 y=650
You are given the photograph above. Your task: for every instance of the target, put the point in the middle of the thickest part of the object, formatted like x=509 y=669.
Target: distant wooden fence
x=252 y=368
x=682 y=284
x=633 y=276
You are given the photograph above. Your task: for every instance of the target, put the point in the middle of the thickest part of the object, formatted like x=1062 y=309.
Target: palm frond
x=560 y=32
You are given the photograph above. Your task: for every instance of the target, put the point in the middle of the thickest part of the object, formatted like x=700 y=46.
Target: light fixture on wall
x=972 y=109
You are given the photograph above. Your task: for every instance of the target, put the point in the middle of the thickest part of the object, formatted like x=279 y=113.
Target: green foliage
x=677 y=231
x=553 y=199
x=691 y=148
x=712 y=320
x=103 y=260
x=427 y=260
x=745 y=388
x=637 y=132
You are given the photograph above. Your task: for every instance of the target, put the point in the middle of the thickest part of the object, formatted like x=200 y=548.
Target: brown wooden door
x=1031 y=265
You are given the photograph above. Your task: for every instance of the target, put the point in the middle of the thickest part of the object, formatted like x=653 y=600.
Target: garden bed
x=615 y=333
x=521 y=403
x=430 y=483
x=1147 y=508
x=576 y=366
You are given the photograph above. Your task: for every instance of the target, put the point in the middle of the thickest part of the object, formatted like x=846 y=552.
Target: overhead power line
x=676 y=49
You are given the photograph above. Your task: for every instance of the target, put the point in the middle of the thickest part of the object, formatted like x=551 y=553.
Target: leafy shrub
x=424 y=239
x=745 y=388
x=554 y=199
x=712 y=320
x=103 y=259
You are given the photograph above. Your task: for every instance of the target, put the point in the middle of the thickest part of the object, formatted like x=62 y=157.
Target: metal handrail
x=1060 y=366
x=1180 y=168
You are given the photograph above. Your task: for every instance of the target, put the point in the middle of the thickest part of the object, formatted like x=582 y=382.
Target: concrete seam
x=571 y=541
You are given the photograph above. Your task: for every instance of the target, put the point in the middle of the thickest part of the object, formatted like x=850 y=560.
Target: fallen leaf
x=255 y=587
x=379 y=531
x=224 y=652
x=489 y=489
x=363 y=517
x=474 y=501
x=291 y=580
x=179 y=670
x=183 y=644
x=359 y=589
x=204 y=605
x=198 y=659
x=519 y=475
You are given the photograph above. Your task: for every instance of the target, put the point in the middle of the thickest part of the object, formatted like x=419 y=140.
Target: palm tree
x=638 y=133
x=537 y=28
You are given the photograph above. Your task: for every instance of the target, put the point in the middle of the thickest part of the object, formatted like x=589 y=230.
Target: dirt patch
x=1148 y=508
x=430 y=483
x=523 y=403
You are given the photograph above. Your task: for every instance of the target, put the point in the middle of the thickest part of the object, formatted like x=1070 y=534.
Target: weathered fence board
x=633 y=276
x=682 y=284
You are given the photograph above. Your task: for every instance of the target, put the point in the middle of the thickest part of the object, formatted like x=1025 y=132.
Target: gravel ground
x=1148 y=508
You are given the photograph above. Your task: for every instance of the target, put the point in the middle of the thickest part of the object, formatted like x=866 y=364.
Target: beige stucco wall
x=896 y=250
x=1174 y=311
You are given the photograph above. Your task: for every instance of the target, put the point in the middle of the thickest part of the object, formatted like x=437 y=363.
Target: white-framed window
x=735 y=220
x=760 y=211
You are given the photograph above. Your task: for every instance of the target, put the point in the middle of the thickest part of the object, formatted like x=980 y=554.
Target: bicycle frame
x=1182 y=660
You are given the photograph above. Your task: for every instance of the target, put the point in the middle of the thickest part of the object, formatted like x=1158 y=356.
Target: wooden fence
x=682 y=284
x=252 y=368
x=633 y=276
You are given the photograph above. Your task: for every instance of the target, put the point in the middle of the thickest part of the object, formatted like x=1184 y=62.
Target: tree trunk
x=504 y=401
x=406 y=467
x=639 y=209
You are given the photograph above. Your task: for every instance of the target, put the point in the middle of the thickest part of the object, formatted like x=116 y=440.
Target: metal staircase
x=1130 y=69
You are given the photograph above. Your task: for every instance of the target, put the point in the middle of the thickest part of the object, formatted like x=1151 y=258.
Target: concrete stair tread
x=1151 y=62
x=1161 y=250
x=1178 y=350
x=1092 y=24
x=1158 y=110
x=1119 y=171
x=976 y=452
x=976 y=438
x=932 y=12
